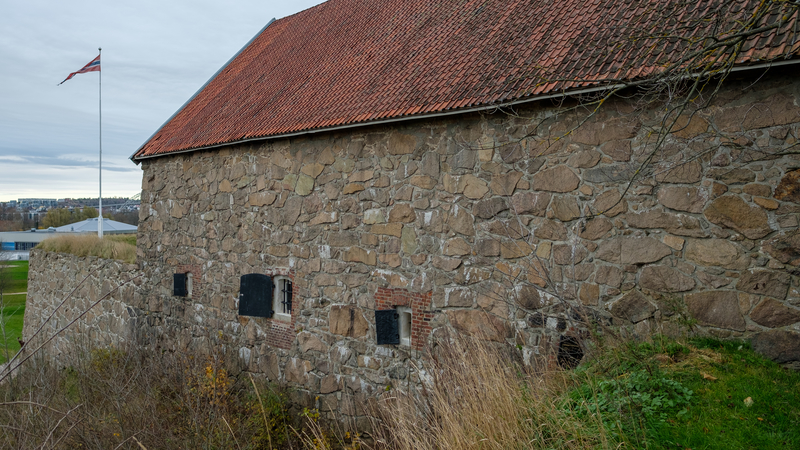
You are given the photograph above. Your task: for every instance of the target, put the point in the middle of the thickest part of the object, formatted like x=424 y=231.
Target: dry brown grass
x=475 y=396
x=110 y=247
x=131 y=399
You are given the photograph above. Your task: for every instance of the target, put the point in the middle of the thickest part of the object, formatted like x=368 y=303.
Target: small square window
x=393 y=326
x=282 y=299
x=181 y=285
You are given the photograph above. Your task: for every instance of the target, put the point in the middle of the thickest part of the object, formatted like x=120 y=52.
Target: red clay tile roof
x=359 y=61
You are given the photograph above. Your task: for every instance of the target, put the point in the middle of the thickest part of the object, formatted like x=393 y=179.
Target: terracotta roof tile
x=354 y=61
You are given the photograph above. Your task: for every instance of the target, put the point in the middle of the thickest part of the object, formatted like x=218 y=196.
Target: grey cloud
x=155 y=56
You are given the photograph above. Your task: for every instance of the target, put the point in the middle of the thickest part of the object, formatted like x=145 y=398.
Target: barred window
x=282 y=298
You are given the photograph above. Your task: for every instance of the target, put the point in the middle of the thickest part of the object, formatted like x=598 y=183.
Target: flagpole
x=100 y=204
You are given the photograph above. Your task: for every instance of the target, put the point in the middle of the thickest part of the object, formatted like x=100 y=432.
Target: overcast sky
x=156 y=54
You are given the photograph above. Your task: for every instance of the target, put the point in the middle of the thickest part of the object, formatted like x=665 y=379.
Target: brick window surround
x=279 y=333
x=421 y=314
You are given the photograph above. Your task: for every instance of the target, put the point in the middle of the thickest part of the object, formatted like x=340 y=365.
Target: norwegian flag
x=93 y=66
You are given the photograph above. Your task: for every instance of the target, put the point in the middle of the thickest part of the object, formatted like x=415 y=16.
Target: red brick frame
x=281 y=334
x=196 y=272
x=421 y=314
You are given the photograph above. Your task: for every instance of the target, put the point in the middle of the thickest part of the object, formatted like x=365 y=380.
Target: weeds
x=110 y=247
x=126 y=398
x=658 y=394
x=275 y=414
x=638 y=394
x=124 y=238
x=475 y=395
x=655 y=394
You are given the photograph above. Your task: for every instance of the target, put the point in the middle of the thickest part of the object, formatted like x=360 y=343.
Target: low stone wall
x=88 y=296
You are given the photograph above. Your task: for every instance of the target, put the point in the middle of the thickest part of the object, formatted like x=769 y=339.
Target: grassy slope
x=720 y=418
x=720 y=376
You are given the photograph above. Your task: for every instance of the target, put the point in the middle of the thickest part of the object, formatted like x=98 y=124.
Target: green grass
x=12 y=310
x=665 y=395
x=720 y=419
x=11 y=315
x=17 y=276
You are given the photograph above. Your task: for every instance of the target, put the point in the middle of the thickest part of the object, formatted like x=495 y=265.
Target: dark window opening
x=570 y=352
x=180 y=285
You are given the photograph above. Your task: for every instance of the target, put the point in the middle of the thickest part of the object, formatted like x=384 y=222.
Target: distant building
x=17 y=244
x=38 y=202
x=90 y=225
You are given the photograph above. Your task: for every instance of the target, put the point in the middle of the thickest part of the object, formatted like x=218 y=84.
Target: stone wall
x=62 y=287
x=525 y=229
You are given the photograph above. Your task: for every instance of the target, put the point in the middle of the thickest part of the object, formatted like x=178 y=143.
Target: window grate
x=286 y=291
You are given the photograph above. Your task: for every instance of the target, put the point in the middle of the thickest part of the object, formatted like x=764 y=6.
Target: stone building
x=364 y=174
